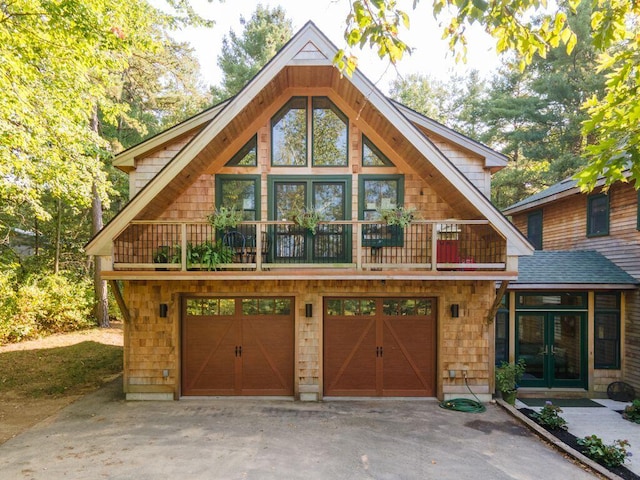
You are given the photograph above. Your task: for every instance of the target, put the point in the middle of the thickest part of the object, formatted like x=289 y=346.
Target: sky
x=430 y=56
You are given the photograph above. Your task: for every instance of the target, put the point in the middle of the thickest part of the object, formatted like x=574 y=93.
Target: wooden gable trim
x=126 y=160
x=493 y=160
x=516 y=243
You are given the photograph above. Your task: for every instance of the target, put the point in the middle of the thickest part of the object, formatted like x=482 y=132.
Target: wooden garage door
x=237 y=346
x=380 y=347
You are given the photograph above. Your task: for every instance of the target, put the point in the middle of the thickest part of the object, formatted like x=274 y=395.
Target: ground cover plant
x=632 y=412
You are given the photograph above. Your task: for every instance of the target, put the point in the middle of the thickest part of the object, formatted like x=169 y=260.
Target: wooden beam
x=115 y=288
x=496 y=303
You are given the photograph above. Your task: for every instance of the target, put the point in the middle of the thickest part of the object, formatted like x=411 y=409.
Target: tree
x=243 y=56
x=614 y=119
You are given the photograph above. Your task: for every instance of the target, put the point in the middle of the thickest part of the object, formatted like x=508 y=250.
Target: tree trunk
x=99 y=285
x=56 y=263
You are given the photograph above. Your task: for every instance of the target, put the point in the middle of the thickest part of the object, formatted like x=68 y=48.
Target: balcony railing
x=462 y=245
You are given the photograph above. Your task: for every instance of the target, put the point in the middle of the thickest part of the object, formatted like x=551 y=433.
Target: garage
x=380 y=347
x=237 y=346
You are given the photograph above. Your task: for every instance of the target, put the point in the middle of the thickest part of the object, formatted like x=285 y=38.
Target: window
x=568 y=300
x=638 y=211
x=502 y=331
x=607 y=331
x=372 y=156
x=534 y=229
x=241 y=192
x=247 y=156
x=289 y=134
x=597 y=215
x=379 y=192
x=330 y=133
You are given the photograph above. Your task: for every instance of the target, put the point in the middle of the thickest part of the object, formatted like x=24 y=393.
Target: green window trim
x=294 y=103
x=220 y=180
x=606 y=334
x=552 y=301
x=381 y=157
x=342 y=159
x=597 y=215
x=238 y=160
x=388 y=236
x=534 y=229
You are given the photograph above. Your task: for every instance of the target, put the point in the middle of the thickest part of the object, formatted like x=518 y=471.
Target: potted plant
x=400 y=216
x=508 y=375
x=308 y=218
x=224 y=218
x=161 y=255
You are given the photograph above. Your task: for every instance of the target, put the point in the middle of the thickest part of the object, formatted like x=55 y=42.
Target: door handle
x=240 y=351
x=544 y=351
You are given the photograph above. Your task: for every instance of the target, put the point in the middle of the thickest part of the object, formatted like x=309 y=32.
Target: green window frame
x=242 y=201
x=370 y=202
x=247 y=156
x=502 y=331
x=597 y=215
x=329 y=134
x=534 y=229
x=372 y=156
x=606 y=341
x=638 y=210
x=551 y=301
x=289 y=132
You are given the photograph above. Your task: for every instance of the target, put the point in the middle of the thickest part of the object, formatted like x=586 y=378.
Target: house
x=574 y=312
x=354 y=307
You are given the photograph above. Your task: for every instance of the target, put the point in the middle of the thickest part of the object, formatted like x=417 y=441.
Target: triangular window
x=372 y=156
x=247 y=156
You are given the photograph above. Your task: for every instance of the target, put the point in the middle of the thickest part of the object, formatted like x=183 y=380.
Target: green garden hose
x=464 y=404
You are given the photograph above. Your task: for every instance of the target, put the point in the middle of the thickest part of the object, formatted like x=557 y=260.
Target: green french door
x=553 y=346
x=330 y=243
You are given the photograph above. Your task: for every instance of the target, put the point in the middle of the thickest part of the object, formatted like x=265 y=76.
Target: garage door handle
x=379 y=351
x=240 y=351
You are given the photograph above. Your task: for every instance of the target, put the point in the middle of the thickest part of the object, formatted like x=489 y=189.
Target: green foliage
x=43 y=305
x=508 y=375
x=632 y=412
x=612 y=455
x=400 y=216
x=243 y=56
x=208 y=255
x=308 y=218
x=223 y=218
x=549 y=416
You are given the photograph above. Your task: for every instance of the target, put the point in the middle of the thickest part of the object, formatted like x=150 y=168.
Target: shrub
x=632 y=412
x=47 y=304
x=612 y=455
x=549 y=417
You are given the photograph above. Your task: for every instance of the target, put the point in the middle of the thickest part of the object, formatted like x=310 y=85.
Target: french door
x=553 y=346
x=330 y=197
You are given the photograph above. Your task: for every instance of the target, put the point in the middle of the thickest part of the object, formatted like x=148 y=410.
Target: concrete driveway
x=102 y=436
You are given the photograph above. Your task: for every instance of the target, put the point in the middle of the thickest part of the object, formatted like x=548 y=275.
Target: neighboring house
x=356 y=308
x=574 y=312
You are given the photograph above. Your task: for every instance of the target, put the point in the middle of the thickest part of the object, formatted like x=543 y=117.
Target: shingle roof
x=559 y=187
x=571 y=268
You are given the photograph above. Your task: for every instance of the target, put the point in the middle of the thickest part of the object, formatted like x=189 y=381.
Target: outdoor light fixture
x=455 y=310
x=308 y=310
x=164 y=308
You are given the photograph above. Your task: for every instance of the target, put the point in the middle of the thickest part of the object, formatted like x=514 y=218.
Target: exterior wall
x=564 y=228
x=152 y=344
x=150 y=165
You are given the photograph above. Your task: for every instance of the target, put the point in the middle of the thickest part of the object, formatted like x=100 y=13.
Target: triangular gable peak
x=279 y=80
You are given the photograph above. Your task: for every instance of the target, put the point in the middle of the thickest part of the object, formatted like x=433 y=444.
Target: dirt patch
x=40 y=377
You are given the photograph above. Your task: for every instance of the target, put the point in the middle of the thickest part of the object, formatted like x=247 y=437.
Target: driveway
x=102 y=436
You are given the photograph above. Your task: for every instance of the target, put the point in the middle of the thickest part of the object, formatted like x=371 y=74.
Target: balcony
x=453 y=248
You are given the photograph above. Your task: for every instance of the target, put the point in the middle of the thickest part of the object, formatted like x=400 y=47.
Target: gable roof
x=570 y=270
x=565 y=188
x=309 y=47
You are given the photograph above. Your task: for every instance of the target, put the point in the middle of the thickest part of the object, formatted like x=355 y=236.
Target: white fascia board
x=127 y=158
x=492 y=158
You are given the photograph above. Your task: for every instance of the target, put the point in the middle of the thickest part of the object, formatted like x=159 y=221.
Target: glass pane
x=351 y=307
x=246 y=156
x=289 y=134
x=329 y=134
x=502 y=337
x=241 y=195
x=566 y=347
x=283 y=306
x=266 y=306
x=334 y=307
x=290 y=197
x=407 y=307
x=367 y=307
x=379 y=194
x=531 y=345
x=390 y=307
x=607 y=340
x=249 y=306
x=606 y=301
x=568 y=300
x=372 y=156
x=598 y=206
x=328 y=198
x=227 y=306
x=423 y=307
